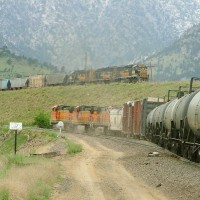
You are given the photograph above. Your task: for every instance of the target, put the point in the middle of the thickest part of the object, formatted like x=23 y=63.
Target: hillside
x=12 y=65
x=111 y=32
x=180 y=60
x=23 y=105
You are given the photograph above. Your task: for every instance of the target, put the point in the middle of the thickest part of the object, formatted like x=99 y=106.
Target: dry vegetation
x=23 y=176
x=30 y=181
x=31 y=173
x=23 y=105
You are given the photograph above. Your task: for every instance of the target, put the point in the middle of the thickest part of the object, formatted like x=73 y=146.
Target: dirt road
x=97 y=174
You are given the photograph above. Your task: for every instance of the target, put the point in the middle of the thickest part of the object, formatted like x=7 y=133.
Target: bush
x=42 y=120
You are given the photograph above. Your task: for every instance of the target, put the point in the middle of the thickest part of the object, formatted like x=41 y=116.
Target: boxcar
x=5 y=84
x=37 y=81
x=19 y=83
x=116 y=120
x=127 y=121
x=135 y=114
x=140 y=111
x=55 y=79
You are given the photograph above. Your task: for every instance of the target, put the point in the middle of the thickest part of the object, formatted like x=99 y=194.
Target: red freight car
x=135 y=114
x=127 y=122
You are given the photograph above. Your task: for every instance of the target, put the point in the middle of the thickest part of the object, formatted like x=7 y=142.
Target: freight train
x=128 y=120
x=174 y=125
x=127 y=73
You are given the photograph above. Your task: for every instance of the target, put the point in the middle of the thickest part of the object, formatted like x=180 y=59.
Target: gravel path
x=165 y=177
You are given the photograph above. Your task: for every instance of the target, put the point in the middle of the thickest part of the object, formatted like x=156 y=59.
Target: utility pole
x=151 y=68
x=85 y=66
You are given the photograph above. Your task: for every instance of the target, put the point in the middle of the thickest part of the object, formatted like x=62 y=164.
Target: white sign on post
x=60 y=125
x=15 y=126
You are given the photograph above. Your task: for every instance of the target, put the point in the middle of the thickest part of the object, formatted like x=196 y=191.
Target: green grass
x=49 y=133
x=18 y=159
x=41 y=191
x=24 y=105
x=8 y=145
x=73 y=147
x=4 y=194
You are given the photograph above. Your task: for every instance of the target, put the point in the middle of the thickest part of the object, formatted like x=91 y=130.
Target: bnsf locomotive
x=127 y=73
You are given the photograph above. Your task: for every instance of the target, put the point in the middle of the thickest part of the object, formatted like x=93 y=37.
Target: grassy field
x=23 y=105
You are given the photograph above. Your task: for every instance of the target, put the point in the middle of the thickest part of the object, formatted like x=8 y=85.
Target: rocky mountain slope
x=180 y=60
x=111 y=32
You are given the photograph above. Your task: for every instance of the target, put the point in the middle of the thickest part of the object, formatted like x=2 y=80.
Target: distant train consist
x=126 y=73
x=174 y=124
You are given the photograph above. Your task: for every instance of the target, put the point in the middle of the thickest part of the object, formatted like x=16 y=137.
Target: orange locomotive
x=87 y=116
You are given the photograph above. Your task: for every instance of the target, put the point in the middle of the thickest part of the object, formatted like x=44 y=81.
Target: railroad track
x=132 y=141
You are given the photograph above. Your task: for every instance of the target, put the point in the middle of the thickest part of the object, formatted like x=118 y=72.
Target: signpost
x=60 y=125
x=15 y=126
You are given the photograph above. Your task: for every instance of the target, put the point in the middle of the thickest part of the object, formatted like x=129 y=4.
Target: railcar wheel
x=190 y=153
x=174 y=147
x=179 y=149
x=157 y=140
x=161 y=142
x=151 y=138
x=184 y=151
x=168 y=145
x=197 y=155
x=165 y=144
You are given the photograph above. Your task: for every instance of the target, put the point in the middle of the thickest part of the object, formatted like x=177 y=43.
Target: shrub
x=73 y=148
x=42 y=120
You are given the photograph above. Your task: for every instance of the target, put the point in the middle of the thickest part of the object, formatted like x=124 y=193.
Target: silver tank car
x=180 y=110
x=193 y=114
x=150 y=116
x=168 y=117
x=159 y=114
